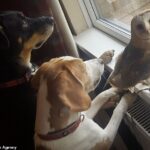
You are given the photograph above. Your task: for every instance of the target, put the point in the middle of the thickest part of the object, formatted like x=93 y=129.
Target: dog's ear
x=35 y=81
x=69 y=91
x=4 y=41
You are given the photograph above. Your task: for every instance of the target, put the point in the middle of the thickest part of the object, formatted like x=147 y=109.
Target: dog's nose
x=141 y=26
x=50 y=20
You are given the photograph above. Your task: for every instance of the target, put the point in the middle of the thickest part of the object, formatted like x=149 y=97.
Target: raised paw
x=107 y=56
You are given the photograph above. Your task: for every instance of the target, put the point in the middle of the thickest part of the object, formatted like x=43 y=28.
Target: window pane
x=120 y=12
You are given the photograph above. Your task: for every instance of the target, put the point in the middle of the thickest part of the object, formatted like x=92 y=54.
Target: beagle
x=65 y=112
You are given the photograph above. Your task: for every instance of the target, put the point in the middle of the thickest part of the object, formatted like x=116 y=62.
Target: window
x=114 y=16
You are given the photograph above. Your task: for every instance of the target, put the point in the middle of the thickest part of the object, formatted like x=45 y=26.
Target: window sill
x=96 y=42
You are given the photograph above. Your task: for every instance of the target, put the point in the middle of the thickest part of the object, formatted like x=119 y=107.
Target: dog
x=133 y=65
x=64 y=115
x=18 y=36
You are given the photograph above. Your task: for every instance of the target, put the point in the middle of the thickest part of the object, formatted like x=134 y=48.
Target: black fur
x=17 y=104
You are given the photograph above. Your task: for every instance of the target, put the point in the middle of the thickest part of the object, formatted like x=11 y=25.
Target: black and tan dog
x=18 y=36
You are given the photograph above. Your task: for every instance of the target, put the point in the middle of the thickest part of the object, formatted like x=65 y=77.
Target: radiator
x=138 y=120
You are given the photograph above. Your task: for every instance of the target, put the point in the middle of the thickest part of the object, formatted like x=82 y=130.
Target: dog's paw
x=107 y=56
x=128 y=99
x=112 y=101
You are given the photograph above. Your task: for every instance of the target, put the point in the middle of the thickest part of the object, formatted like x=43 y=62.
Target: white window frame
x=103 y=25
x=83 y=39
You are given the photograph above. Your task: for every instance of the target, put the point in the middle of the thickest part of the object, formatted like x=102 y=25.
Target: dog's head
x=140 y=26
x=133 y=65
x=68 y=81
x=20 y=34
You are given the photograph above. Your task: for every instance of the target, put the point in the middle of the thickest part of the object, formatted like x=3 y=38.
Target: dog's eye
x=24 y=24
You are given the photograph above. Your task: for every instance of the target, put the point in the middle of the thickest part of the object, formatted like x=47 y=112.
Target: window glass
x=119 y=12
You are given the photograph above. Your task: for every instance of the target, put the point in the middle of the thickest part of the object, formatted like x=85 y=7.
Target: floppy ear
x=35 y=81
x=69 y=90
x=4 y=42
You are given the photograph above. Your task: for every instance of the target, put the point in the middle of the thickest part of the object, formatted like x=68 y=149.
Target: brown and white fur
x=63 y=85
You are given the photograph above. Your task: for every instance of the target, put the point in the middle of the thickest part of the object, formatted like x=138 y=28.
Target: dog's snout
x=142 y=23
x=140 y=27
x=95 y=69
x=50 y=20
x=47 y=20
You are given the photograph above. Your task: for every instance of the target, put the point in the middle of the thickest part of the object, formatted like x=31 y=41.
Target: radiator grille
x=140 y=113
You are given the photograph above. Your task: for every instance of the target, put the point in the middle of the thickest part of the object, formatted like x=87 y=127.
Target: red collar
x=16 y=82
x=19 y=81
x=63 y=132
